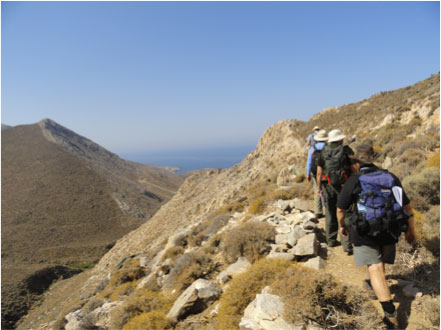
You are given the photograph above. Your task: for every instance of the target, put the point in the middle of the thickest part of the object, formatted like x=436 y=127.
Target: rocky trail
x=407 y=300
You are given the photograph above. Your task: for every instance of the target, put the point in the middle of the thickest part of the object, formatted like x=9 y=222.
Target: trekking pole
x=322 y=198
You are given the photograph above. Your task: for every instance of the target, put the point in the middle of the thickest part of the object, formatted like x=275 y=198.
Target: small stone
x=307 y=246
x=315 y=263
x=281 y=255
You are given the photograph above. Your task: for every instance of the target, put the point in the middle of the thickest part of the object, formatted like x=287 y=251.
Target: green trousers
x=318 y=207
x=331 y=196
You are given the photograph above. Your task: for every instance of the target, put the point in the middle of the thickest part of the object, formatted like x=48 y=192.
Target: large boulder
x=196 y=298
x=265 y=312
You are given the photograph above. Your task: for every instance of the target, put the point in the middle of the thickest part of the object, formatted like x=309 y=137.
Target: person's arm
x=341 y=222
x=410 y=234
x=308 y=164
x=319 y=179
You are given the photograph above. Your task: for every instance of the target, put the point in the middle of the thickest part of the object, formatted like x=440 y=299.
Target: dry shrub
x=144 y=301
x=150 y=320
x=431 y=230
x=232 y=207
x=130 y=271
x=412 y=157
x=251 y=240
x=259 y=205
x=207 y=229
x=125 y=289
x=173 y=252
x=188 y=268
x=242 y=290
x=431 y=307
x=423 y=188
x=93 y=304
x=314 y=295
x=433 y=161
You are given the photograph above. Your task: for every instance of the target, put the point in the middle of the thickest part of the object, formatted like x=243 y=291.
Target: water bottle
x=361 y=210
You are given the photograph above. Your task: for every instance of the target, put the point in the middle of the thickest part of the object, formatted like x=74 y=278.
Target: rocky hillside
x=65 y=202
x=256 y=210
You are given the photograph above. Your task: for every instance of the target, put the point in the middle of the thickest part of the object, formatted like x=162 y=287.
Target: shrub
x=144 y=301
x=188 y=268
x=130 y=271
x=242 y=290
x=433 y=312
x=173 y=252
x=251 y=239
x=150 y=320
x=207 y=229
x=258 y=206
x=434 y=160
x=232 y=207
x=313 y=295
x=423 y=188
x=412 y=157
x=93 y=304
x=123 y=290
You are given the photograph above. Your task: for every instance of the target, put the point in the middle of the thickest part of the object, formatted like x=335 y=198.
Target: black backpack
x=314 y=159
x=335 y=170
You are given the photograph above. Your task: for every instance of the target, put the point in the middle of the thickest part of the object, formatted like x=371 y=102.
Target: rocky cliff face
x=391 y=119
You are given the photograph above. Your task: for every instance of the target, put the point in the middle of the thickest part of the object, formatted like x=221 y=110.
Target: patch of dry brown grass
x=251 y=240
x=242 y=290
x=314 y=295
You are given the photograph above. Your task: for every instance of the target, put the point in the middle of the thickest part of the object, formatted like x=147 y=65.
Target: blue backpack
x=379 y=213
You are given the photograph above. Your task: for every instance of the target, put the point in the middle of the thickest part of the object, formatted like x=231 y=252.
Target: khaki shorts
x=370 y=255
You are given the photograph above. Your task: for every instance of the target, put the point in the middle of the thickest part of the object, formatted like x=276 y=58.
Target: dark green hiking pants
x=331 y=196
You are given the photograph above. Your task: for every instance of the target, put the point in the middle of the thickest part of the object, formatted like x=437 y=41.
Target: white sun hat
x=335 y=135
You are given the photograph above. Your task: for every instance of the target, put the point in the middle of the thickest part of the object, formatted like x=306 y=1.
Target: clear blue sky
x=144 y=76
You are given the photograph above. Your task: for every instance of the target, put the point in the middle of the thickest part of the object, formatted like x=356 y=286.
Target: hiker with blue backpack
x=311 y=168
x=333 y=168
x=382 y=212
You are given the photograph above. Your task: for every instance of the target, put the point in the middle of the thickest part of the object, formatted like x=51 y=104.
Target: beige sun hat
x=365 y=153
x=316 y=128
x=321 y=136
x=335 y=135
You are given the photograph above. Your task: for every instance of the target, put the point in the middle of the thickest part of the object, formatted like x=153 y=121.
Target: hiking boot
x=391 y=320
x=349 y=252
x=368 y=287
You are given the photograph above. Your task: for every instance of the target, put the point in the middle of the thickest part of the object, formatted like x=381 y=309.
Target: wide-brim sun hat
x=321 y=136
x=316 y=128
x=365 y=153
x=335 y=135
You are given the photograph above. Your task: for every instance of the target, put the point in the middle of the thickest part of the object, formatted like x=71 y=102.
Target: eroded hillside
x=62 y=212
x=196 y=234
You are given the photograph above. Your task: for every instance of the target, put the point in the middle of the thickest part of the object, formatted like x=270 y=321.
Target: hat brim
x=337 y=138
x=366 y=160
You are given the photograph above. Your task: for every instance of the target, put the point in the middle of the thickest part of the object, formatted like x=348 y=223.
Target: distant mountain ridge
x=65 y=201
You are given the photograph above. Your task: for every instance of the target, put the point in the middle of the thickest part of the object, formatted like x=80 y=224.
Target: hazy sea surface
x=192 y=159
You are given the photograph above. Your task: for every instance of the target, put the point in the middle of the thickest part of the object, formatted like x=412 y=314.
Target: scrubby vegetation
x=243 y=289
x=251 y=240
x=188 y=268
x=315 y=295
x=143 y=310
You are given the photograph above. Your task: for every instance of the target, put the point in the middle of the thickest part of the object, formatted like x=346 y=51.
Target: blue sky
x=146 y=76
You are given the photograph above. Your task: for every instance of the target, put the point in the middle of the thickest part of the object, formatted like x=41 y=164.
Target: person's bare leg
x=378 y=282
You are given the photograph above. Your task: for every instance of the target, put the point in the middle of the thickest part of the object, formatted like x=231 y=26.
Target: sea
x=192 y=159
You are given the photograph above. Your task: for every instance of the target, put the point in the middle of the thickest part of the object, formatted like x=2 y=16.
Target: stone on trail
x=265 y=312
x=301 y=204
x=307 y=246
x=193 y=300
x=281 y=255
x=315 y=263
